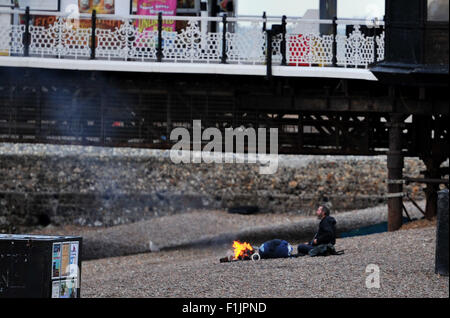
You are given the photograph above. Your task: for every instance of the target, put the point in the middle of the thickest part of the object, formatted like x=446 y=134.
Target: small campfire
x=241 y=252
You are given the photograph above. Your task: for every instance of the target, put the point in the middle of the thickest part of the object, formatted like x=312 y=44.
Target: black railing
x=93 y=34
x=26 y=36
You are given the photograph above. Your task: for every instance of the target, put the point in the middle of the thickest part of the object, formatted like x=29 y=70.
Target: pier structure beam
x=395 y=165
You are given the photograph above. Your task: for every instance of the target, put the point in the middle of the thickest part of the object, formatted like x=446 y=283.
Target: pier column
x=431 y=191
x=433 y=149
x=395 y=172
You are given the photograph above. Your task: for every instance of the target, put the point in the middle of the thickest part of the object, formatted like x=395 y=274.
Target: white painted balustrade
x=244 y=40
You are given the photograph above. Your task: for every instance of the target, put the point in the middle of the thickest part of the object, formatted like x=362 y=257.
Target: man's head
x=322 y=211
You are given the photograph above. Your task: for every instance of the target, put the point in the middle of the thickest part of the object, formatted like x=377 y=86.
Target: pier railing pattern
x=243 y=40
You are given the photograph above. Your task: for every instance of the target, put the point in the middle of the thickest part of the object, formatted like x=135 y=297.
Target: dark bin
x=35 y=266
x=441 y=266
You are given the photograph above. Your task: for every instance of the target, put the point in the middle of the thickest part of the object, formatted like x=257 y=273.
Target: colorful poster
x=65 y=259
x=100 y=6
x=134 y=5
x=153 y=7
x=48 y=20
x=56 y=260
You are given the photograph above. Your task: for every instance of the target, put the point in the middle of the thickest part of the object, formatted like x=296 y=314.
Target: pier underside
x=326 y=116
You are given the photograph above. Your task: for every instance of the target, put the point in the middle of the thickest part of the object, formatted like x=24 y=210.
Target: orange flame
x=241 y=249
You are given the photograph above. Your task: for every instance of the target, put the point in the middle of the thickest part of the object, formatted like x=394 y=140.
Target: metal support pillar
x=159 y=49
x=334 y=44
x=283 y=41
x=102 y=117
x=93 y=33
x=38 y=114
x=224 y=39
x=27 y=36
x=169 y=116
x=441 y=258
x=431 y=191
x=395 y=172
x=269 y=54
x=433 y=153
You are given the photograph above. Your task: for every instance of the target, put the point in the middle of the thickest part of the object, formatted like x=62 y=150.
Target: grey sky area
x=291 y=8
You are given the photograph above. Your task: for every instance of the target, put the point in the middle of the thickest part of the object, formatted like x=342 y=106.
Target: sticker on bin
x=65 y=258
x=73 y=263
x=68 y=288
x=56 y=260
x=55 y=288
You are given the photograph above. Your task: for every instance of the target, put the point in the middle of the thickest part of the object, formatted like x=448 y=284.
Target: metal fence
x=244 y=40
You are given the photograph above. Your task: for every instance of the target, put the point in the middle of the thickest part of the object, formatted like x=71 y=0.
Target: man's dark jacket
x=327 y=231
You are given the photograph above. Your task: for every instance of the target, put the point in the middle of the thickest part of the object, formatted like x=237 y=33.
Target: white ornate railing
x=11 y=39
x=244 y=39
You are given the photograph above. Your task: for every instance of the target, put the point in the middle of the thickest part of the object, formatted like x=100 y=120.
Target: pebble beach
x=405 y=260
x=183 y=260
x=173 y=250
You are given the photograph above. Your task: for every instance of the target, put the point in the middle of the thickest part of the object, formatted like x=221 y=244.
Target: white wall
x=5 y=19
x=291 y=8
x=39 y=4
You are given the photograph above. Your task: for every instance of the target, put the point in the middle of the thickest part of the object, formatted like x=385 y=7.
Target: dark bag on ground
x=275 y=249
x=324 y=250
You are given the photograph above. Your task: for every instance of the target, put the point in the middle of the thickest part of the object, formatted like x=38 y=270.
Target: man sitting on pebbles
x=326 y=233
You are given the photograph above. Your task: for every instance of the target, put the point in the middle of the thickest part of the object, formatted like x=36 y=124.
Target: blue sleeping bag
x=275 y=249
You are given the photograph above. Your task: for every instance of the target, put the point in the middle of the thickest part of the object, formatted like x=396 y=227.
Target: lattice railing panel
x=309 y=49
x=142 y=45
x=380 y=47
x=355 y=49
x=276 y=46
x=247 y=46
x=191 y=45
x=60 y=39
x=112 y=44
x=11 y=40
x=244 y=43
